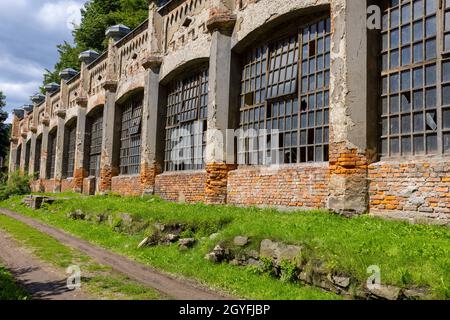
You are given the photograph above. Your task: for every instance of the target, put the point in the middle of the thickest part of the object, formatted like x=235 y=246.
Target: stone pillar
x=349 y=128
x=111 y=136
x=220 y=115
x=80 y=172
x=12 y=157
x=22 y=155
x=59 y=151
x=153 y=117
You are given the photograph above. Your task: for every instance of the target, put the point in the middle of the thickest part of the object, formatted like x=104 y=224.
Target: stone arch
x=182 y=68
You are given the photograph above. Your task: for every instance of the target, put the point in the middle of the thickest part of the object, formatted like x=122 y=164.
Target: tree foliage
x=97 y=16
x=4 y=128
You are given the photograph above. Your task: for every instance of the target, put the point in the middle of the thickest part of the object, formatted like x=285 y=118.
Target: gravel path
x=39 y=279
x=180 y=289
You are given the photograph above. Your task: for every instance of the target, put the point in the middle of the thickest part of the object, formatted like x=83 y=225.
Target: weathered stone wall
x=127 y=185
x=181 y=186
x=291 y=185
x=417 y=190
x=67 y=184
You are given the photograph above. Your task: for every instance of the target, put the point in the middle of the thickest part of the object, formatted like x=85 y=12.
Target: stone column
x=22 y=154
x=111 y=136
x=80 y=172
x=220 y=115
x=350 y=146
x=12 y=157
x=59 y=151
x=152 y=146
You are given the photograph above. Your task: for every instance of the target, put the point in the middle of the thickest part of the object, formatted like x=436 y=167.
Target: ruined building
x=363 y=114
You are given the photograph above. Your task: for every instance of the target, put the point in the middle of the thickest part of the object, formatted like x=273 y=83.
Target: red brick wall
x=127 y=185
x=420 y=188
x=67 y=184
x=181 y=186
x=48 y=185
x=300 y=185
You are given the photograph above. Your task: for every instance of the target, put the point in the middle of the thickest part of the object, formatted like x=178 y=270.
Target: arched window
x=187 y=104
x=51 y=157
x=130 y=138
x=27 y=156
x=285 y=89
x=69 y=150
x=18 y=155
x=415 y=101
x=94 y=140
x=37 y=154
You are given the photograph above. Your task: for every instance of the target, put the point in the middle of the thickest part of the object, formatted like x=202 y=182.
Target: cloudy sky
x=29 y=33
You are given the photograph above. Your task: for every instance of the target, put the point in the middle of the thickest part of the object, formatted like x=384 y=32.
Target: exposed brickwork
x=420 y=187
x=348 y=180
x=127 y=185
x=106 y=175
x=216 y=182
x=293 y=185
x=67 y=184
x=148 y=175
x=181 y=186
x=78 y=177
x=89 y=186
x=48 y=185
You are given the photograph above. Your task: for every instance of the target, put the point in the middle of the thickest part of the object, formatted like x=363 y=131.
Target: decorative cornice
x=33 y=129
x=223 y=22
x=14 y=140
x=81 y=101
x=152 y=61
x=61 y=113
x=110 y=85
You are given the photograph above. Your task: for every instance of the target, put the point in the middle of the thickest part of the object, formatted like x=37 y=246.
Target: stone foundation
x=89 y=186
x=300 y=185
x=216 y=182
x=67 y=184
x=181 y=186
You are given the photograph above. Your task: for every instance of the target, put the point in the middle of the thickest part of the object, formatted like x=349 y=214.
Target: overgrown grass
x=408 y=255
x=9 y=290
x=97 y=279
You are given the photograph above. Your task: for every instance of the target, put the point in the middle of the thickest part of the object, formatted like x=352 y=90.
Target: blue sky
x=29 y=33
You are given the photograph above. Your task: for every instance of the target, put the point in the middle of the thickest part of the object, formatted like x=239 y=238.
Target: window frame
x=411 y=92
x=297 y=151
x=94 y=144
x=187 y=109
x=51 y=158
x=131 y=135
x=70 y=132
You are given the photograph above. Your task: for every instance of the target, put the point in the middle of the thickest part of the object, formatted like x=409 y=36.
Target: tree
x=96 y=17
x=4 y=128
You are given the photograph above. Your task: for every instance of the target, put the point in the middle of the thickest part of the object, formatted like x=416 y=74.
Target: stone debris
x=36 y=202
x=241 y=241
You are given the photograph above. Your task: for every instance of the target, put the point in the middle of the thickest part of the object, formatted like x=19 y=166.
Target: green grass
x=99 y=280
x=9 y=290
x=408 y=255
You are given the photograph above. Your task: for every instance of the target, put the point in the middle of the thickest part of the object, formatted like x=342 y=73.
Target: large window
x=27 y=156
x=37 y=154
x=187 y=105
x=415 y=113
x=69 y=150
x=95 y=131
x=285 y=89
x=51 y=157
x=18 y=156
x=130 y=139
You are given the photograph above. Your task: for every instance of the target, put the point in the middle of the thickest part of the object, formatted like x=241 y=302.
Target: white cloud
x=55 y=15
x=19 y=91
x=19 y=67
x=7 y=6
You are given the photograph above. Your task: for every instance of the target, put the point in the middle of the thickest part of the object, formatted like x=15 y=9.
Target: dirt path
x=39 y=279
x=180 y=289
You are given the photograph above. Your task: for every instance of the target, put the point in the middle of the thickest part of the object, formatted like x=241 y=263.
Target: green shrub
x=17 y=184
x=288 y=271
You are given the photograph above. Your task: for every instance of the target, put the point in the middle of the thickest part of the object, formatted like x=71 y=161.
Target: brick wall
x=415 y=189
x=67 y=184
x=127 y=185
x=181 y=186
x=300 y=185
x=48 y=185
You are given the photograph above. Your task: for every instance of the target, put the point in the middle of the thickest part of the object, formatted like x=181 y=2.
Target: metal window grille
x=69 y=152
x=187 y=104
x=27 y=156
x=18 y=155
x=130 y=140
x=415 y=100
x=276 y=95
x=51 y=156
x=37 y=155
x=95 y=145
